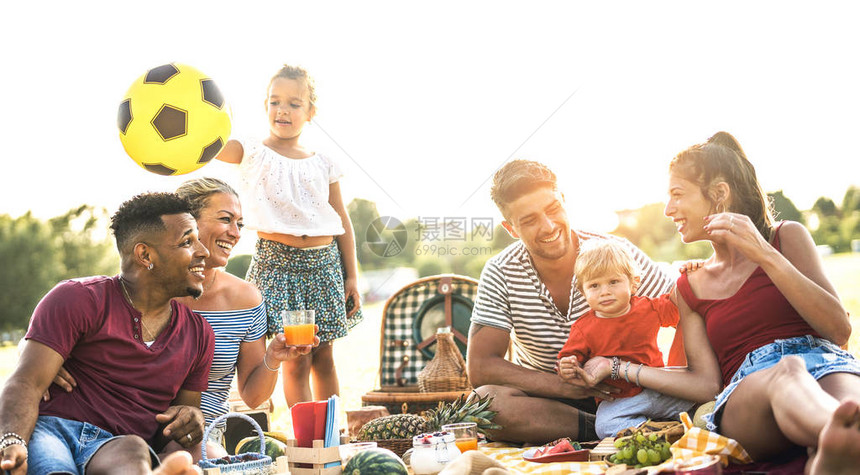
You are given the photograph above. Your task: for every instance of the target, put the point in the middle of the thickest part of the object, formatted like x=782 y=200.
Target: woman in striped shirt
x=234 y=308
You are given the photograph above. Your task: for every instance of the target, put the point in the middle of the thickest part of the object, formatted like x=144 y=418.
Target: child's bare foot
x=839 y=442
x=177 y=463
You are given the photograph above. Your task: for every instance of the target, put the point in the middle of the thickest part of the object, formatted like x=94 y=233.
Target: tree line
x=36 y=254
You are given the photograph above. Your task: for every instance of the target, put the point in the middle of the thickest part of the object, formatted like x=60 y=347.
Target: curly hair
x=721 y=159
x=142 y=215
x=299 y=74
x=198 y=191
x=517 y=178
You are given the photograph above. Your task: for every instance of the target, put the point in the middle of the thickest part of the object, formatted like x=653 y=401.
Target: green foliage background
x=36 y=255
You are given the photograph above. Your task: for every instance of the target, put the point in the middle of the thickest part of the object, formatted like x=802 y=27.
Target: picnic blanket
x=512 y=458
x=695 y=442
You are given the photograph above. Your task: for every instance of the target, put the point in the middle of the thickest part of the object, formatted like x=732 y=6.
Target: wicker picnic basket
x=398 y=446
x=447 y=370
x=243 y=463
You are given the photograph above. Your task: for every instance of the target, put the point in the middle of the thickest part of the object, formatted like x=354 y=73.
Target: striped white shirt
x=512 y=297
x=231 y=329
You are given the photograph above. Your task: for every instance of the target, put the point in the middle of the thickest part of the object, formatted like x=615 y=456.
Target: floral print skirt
x=293 y=278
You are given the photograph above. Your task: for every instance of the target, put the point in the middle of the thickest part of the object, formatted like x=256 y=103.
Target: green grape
x=665 y=452
x=642 y=456
x=619 y=442
x=628 y=452
x=654 y=456
x=613 y=458
x=652 y=437
x=640 y=438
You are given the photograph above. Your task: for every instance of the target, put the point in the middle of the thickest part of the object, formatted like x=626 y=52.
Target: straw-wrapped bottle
x=447 y=370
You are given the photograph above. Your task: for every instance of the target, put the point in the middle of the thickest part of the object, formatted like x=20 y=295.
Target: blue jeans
x=64 y=446
x=822 y=357
x=617 y=415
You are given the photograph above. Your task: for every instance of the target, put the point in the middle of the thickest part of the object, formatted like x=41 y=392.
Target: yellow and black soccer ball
x=173 y=120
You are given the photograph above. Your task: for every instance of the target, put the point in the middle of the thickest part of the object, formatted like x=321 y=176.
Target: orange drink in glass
x=298 y=327
x=465 y=435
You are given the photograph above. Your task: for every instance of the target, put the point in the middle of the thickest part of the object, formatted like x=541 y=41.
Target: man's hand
x=599 y=391
x=14 y=460
x=582 y=382
x=184 y=425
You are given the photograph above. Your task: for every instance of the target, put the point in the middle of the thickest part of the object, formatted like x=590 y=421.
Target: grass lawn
x=357 y=355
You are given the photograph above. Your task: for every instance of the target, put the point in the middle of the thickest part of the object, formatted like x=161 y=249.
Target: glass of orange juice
x=465 y=435
x=298 y=327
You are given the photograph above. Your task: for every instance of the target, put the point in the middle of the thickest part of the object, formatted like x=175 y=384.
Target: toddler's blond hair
x=598 y=257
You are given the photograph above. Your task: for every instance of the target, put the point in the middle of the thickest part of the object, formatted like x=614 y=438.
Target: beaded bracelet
x=637 y=374
x=626 y=367
x=10 y=441
x=615 y=365
x=266 y=364
x=10 y=434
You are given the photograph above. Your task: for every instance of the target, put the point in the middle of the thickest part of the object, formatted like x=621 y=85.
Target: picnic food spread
x=406 y=426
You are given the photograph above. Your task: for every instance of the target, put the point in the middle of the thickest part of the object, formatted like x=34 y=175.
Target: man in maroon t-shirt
x=141 y=360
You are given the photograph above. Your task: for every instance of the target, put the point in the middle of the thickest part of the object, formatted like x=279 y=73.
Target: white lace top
x=286 y=195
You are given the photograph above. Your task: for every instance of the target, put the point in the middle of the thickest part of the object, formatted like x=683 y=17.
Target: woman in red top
x=759 y=319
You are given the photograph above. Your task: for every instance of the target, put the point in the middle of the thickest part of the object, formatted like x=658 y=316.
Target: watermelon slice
x=563 y=446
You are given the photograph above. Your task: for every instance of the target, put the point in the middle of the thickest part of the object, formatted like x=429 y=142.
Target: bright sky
x=421 y=104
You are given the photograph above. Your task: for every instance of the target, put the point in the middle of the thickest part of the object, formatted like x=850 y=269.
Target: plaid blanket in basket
x=399 y=348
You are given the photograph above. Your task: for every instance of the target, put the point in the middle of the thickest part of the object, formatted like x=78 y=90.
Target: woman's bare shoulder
x=794 y=238
x=241 y=293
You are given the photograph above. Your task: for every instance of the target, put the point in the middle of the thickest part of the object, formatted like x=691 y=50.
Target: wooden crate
x=604 y=448
x=316 y=456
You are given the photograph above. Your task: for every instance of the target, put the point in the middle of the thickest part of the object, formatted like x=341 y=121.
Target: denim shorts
x=822 y=357
x=617 y=415
x=64 y=446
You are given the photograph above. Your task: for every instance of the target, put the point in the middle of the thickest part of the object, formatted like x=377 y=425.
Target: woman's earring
x=150 y=266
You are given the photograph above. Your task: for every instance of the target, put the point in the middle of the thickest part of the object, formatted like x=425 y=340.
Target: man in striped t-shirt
x=527 y=301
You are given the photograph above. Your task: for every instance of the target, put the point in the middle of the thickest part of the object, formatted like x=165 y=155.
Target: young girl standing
x=305 y=255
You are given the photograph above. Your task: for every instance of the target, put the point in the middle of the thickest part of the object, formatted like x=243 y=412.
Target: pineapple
x=406 y=426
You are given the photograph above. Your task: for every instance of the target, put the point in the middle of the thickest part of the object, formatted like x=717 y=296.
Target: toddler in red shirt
x=619 y=326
